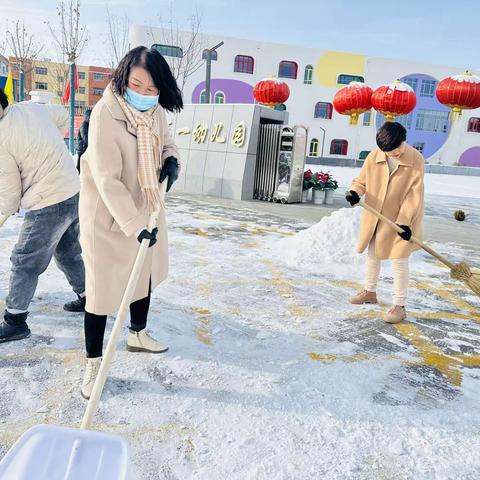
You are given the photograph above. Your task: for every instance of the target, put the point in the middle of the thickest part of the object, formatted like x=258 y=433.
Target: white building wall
x=301 y=104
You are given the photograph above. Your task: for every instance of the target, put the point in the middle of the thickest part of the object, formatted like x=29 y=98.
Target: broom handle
x=120 y=320
x=413 y=239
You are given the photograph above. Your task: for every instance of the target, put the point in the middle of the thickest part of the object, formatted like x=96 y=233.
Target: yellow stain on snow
x=452 y=298
x=431 y=355
x=348 y=284
x=203 y=331
x=330 y=358
x=285 y=289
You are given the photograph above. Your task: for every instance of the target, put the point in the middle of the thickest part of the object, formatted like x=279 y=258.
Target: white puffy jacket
x=36 y=169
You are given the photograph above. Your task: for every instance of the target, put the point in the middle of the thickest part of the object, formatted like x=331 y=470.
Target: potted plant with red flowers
x=319 y=187
x=308 y=183
x=330 y=186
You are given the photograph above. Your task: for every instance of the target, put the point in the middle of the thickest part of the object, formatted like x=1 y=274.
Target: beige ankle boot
x=91 y=372
x=142 y=342
x=364 y=297
x=396 y=314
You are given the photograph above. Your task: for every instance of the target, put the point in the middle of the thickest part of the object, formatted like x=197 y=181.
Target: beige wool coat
x=113 y=210
x=399 y=196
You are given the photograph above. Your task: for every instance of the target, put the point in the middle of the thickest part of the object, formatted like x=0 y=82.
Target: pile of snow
x=328 y=248
x=328 y=243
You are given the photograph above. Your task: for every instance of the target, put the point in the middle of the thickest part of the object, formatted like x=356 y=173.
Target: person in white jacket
x=38 y=174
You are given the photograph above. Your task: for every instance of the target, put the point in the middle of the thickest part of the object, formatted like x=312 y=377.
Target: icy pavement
x=271 y=373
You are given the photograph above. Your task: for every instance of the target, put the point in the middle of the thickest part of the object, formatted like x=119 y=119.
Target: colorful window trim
x=338 y=147
x=288 y=69
x=244 y=64
x=323 y=110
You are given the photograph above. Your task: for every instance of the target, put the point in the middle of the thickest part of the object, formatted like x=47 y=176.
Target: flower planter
x=329 y=196
x=307 y=195
x=318 y=196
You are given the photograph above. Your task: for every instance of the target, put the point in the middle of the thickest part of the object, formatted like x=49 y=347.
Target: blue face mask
x=140 y=102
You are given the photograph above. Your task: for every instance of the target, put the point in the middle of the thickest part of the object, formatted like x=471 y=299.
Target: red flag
x=66 y=95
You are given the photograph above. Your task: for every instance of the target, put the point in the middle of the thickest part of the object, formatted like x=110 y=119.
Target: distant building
x=48 y=76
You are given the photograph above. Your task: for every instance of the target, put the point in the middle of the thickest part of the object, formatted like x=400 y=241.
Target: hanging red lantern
x=394 y=99
x=353 y=100
x=460 y=92
x=271 y=92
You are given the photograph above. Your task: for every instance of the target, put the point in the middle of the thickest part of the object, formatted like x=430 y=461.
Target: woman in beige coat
x=129 y=151
x=392 y=182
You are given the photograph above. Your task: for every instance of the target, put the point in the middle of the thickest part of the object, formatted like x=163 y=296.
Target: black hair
x=390 y=136
x=3 y=99
x=157 y=66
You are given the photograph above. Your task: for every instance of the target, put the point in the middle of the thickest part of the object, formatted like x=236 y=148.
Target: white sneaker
x=91 y=371
x=142 y=342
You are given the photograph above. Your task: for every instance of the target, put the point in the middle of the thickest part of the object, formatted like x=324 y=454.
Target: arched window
x=323 y=110
x=338 y=147
x=243 y=64
x=308 y=76
x=281 y=107
x=219 y=97
x=168 y=50
x=474 y=125
x=363 y=154
x=314 y=147
x=345 y=79
x=203 y=97
x=287 y=69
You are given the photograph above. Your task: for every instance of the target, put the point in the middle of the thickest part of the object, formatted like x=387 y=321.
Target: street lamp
x=209 y=54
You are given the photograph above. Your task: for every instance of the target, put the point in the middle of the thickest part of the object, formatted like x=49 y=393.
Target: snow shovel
x=47 y=452
x=459 y=271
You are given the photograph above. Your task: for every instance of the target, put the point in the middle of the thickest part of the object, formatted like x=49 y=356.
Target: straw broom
x=459 y=271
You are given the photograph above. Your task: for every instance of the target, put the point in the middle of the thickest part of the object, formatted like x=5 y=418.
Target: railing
x=80 y=109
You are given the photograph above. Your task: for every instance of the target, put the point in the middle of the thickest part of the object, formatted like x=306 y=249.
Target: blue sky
x=441 y=32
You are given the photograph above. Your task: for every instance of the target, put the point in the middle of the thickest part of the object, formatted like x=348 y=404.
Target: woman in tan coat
x=392 y=181
x=129 y=152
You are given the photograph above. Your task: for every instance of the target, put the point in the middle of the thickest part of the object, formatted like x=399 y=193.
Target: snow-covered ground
x=271 y=373
x=435 y=184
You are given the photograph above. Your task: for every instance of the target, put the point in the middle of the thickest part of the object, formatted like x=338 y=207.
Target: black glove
x=352 y=197
x=152 y=236
x=407 y=232
x=170 y=169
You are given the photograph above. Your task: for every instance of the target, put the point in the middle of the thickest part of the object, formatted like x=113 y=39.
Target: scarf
x=147 y=146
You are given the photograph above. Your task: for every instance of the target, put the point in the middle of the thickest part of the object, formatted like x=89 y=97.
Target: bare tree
x=189 y=41
x=117 y=28
x=24 y=49
x=70 y=38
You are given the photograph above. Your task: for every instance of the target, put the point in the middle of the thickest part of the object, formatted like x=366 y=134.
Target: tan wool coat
x=399 y=196
x=113 y=210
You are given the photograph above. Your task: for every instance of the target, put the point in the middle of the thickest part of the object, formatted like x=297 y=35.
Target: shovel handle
x=413 y=239
x=120 y=319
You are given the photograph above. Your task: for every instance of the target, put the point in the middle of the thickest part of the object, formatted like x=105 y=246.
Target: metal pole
x=21 y=95
x=323 y=139
x=71 y=139
x=209 y=74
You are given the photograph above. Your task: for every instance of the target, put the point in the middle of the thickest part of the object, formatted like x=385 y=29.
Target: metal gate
x=266 y=169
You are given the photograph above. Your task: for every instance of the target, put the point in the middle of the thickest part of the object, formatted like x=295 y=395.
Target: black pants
x=95 y=326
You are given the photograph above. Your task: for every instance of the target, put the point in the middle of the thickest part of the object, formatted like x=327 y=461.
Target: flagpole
x=71 y=140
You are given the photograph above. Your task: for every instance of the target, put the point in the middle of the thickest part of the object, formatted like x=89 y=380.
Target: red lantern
x=353 y=100
x=394 y=99
x=271 y=92
x=460 y=92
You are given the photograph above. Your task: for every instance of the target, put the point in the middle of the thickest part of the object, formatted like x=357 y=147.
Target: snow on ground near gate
x=435 y=184
x=271 y=373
